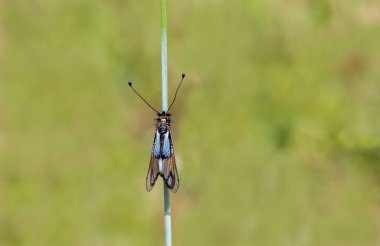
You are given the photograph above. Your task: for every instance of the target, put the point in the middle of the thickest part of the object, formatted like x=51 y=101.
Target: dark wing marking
x=170 y=174
x=153 y=170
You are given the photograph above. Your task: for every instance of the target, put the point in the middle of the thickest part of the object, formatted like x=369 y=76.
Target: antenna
x=175 y=96
x=130 y=84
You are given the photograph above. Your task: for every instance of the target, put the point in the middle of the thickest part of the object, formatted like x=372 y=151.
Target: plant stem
x=164 y=57
x=164 y=81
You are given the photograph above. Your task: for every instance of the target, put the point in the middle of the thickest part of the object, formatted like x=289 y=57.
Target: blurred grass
x=276 y=129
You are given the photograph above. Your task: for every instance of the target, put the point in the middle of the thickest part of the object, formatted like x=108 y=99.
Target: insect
x=162 y=159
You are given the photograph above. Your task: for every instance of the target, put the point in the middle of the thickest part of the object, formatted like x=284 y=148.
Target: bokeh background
x=276 y=128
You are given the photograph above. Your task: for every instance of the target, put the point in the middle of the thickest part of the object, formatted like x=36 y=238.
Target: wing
x=170 y=174
x=156 y=146
x=167 y=146
x=153 y=173
x=153 y=170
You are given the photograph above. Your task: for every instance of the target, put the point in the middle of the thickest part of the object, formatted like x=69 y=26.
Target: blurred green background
x=276 y=127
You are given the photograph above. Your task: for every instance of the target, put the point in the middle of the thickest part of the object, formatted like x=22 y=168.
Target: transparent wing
x=170 y=174
x=153 y=170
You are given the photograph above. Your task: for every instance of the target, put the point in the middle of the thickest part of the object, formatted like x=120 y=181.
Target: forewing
x=170 y=173
x=167 y=147
x=156 y=145
x=153 y=170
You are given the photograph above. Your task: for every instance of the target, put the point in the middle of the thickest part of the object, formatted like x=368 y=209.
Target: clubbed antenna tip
x=130 y=85
x=175 y=96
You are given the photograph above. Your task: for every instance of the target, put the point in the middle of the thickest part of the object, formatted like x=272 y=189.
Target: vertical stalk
x=164 y=81
x=164 y=57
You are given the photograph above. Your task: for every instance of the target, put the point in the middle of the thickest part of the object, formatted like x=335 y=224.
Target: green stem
x=164 y=81
x=164 y=57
